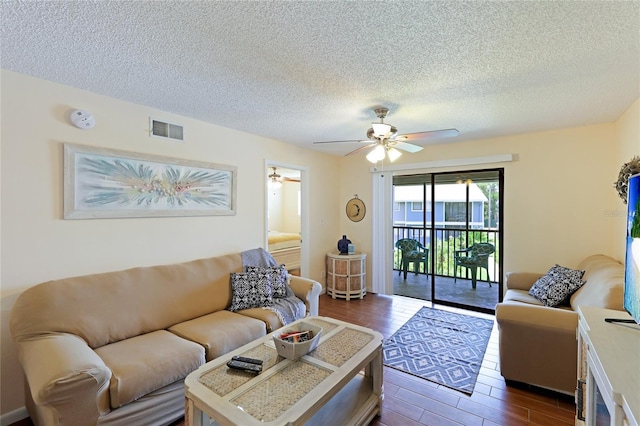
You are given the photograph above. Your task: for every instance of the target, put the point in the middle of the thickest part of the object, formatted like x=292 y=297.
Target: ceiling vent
x=166 y=130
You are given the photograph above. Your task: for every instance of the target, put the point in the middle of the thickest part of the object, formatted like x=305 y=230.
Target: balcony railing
x=447 y=241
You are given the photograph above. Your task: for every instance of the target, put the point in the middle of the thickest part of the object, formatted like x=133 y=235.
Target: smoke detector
x=82 y=119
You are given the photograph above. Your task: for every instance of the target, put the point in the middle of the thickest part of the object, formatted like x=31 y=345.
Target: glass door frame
x=429 y=228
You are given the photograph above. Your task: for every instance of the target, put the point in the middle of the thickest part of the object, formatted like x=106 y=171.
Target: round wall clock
x=356 y=209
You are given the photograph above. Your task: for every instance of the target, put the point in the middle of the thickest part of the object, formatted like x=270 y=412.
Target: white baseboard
x=14 y=416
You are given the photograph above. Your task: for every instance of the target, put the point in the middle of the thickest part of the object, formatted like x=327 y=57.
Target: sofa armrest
x=67 y=380
x=537 y=345
x=537 y=317
x=308 y=291
x=521 y=280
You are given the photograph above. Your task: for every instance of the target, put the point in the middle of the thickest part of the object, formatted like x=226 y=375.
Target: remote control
x=249 y=360
x=245 y=366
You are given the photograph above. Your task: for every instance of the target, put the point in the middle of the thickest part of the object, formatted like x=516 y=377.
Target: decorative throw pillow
x=250 y=290
x=279 y=278
x=557 y=285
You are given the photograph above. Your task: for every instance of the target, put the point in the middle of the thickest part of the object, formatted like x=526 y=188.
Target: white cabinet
x=346 y=275
x=608 y=369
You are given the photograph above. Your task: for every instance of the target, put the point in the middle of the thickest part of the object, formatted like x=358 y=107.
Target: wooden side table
x=346 y=275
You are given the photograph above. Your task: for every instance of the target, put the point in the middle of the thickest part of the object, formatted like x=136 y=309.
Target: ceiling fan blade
x=433 y=134
x=362 y=148
x=349 y=141
x=409 y=147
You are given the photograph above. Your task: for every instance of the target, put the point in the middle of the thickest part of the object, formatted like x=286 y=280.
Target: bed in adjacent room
x=285 y=248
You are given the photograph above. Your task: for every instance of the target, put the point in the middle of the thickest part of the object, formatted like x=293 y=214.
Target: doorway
x=285 y=222
x=454 y=216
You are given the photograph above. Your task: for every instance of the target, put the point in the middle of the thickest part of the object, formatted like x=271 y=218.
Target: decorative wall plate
x=356 y=209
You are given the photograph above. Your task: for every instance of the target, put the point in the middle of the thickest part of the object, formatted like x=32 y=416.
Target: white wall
x=290 y=217
x=283 y=208
x=38 y=245
x=275 y=209
x=559 y=202
x=627 y=146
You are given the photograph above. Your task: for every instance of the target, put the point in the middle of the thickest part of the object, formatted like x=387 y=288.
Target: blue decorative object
x=343 y=245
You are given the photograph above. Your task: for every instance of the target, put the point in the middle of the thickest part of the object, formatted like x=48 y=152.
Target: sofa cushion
x=556 y=285
x=220 y=332
x=604 y=284
x=516 y=297
x=145 y=363
x=279 y=278
x=250 y=290
x=285 y=310
x=268 y=316
x=520 y=296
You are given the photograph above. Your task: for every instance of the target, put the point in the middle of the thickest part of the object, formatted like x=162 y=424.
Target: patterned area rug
x=440 y=346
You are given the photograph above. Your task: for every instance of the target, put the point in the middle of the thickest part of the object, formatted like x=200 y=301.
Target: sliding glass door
x=457 y=218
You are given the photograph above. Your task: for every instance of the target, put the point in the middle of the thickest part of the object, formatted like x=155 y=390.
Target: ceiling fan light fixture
x=376 y=154
x=274 y=180
x=275 y=184
x=381 y=130
x=384 y=141
x=393 y=154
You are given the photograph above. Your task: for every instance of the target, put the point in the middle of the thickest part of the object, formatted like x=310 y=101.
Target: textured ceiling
x=304 y=71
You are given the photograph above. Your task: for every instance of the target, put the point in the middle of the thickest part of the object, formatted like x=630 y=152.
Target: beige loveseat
x=114 y=348
x=538 y=344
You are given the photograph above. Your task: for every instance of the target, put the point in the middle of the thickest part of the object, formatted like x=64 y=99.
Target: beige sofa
x=114 y=348
x=538 y=344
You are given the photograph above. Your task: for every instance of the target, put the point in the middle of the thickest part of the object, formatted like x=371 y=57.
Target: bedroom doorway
x=284 y=215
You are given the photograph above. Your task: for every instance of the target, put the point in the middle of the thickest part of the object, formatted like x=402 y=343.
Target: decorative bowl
x=294 y=350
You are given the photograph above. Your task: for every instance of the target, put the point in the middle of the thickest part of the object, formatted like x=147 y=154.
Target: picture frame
x=109 y=183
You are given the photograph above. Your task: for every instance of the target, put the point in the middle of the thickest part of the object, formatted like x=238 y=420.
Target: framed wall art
x=108 y=183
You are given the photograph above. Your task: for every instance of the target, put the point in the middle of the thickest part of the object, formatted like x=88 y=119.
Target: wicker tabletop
x=287 y=392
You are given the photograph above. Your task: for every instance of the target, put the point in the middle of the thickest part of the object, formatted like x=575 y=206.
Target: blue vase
x=343 y=245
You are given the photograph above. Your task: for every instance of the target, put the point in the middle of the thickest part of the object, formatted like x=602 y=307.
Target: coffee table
x=339 y=383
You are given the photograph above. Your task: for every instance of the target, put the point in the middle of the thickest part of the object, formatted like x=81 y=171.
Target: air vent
x=166 y=130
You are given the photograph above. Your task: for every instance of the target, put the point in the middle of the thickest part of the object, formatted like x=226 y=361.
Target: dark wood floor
x=409 y=400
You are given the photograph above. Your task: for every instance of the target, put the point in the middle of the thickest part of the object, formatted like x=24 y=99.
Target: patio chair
x=412 y=251
x=474 y=257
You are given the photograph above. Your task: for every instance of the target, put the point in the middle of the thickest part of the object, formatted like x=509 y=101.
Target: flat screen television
x=632 y=258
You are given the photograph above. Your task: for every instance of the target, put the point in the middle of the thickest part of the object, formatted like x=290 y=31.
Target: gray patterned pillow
x=279 y=278
x=250 y=290
x=557 y=285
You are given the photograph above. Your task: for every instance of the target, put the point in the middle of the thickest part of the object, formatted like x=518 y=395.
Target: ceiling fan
x=384 y=141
